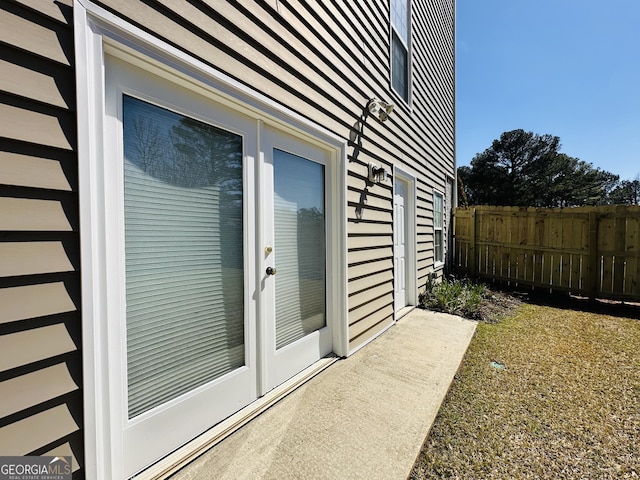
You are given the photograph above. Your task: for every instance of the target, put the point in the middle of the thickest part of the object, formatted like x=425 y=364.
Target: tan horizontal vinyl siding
x=34 y=388
x=25 y=82
x=29 y=346
x=17 y=302
x=356 y=197
x=36 y=38
x=27 y=214
x=358 y=323
x=28 y=171
x=370 y=327
x=370 y=255
x=58 y=10
x=40 y=363
x=366 y=269
x=34 y=127
x=364 y=296
x=203 y=38
x=362 y=284
x=33 y=258
x=367 y=241
x=369 y=226
x=27 y=435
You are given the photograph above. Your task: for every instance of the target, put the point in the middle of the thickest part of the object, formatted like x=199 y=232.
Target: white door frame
x=281 y=364
x=411 y=264
x=400 y=246
x=96 y=31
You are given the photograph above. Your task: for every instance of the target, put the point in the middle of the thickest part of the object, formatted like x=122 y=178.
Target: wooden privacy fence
x=591 y=251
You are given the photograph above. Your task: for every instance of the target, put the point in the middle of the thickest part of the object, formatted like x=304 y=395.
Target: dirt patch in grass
x=497 y=305
x=550 y=392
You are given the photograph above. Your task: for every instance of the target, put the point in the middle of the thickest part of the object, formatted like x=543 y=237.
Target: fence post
x=472 y=243
x=593 y=270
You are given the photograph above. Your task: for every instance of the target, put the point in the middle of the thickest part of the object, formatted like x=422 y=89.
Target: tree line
x=526 y=169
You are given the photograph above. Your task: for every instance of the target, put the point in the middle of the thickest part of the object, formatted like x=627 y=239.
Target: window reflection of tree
x=150 y=144
x=186 y=164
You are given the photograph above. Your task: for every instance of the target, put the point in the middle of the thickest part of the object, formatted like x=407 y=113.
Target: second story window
x=400 y=34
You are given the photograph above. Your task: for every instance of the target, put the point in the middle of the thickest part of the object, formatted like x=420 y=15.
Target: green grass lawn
x=565 y=405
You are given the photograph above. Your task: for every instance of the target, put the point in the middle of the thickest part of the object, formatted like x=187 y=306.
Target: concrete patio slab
x=364 y=417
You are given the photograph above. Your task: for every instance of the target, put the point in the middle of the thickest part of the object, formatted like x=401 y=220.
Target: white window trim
x=392 y=28
x=438 y=265
x=412 y=233
x=97 y=30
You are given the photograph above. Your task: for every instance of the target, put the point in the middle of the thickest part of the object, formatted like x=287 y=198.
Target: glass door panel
x=300 y=251
x=183 y=253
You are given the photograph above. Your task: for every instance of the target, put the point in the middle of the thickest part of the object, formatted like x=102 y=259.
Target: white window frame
x=438 y=263
x=448 y=208
x=393 y=30
x=96 y=31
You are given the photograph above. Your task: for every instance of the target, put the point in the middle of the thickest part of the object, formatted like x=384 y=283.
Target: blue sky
x=569 y=68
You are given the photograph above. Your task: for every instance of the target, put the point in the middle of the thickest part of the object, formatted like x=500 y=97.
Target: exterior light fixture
x=377 y=174
x=380 y=108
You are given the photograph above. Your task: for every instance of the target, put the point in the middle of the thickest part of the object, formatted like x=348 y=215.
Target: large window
x=400 y=35
x=438 y=243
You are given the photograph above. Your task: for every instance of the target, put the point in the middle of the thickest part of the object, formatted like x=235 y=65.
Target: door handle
x=271 y=271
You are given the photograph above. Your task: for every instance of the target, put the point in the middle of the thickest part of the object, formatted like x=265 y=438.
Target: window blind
x=300 y=250
x=183 y=253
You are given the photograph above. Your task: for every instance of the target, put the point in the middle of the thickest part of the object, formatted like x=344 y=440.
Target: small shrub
x=458 y=297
